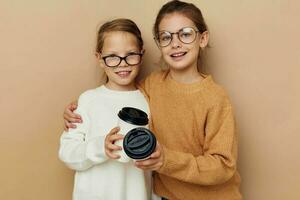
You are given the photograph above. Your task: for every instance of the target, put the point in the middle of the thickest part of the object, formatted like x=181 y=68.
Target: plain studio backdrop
x=47 y=60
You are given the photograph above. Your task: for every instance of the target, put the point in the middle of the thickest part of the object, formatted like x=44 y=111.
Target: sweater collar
x=179 y=87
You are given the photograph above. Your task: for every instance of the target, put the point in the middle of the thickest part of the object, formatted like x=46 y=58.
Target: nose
x=123 y=63
x=175 y=41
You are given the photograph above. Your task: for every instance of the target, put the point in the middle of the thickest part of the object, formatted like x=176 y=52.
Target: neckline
x=180 y=87
x=111 y=91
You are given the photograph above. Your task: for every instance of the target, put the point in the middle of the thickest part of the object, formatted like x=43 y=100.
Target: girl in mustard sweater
x=192 y=116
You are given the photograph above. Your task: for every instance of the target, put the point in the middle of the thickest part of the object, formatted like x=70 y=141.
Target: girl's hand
x=109 y=145
x=70 y=117
x=154 y=162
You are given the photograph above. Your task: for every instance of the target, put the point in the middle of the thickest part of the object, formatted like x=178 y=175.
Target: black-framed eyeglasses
x=115 y=60
x=185 y=35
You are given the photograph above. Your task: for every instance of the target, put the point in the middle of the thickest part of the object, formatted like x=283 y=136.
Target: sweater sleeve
x=217 y=164
x=147 y=86
x=144 y=87
x=77 y=150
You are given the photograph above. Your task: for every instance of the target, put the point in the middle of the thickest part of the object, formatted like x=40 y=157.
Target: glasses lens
x=112 y=61
x=187 y=35
x=133 y=59
x=164 y=38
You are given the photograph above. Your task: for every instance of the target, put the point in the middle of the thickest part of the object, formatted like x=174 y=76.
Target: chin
x=179 y=66
x=125 y=82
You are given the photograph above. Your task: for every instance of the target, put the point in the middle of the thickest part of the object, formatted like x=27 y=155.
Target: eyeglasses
x=131 y=59
x=185 y=35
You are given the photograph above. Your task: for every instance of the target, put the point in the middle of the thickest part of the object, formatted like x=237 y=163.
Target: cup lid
x=133 y=116
x=139 y=143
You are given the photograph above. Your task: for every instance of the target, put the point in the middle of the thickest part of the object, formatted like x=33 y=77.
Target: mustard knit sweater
x=194 y=124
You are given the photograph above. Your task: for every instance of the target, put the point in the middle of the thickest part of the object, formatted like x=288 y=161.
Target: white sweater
x=82 y=149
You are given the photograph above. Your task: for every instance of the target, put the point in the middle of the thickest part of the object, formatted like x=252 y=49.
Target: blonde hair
x=121 y=24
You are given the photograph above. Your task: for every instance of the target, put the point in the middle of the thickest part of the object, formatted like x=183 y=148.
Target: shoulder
x=215 y=94
x=153 y=80
x=158 y=75
x=88 y=96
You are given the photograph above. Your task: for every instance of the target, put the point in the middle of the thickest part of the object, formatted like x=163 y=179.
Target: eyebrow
x=178 y=29
x=113 y=53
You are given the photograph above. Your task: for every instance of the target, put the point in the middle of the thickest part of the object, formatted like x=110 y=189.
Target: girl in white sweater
x=89 y=148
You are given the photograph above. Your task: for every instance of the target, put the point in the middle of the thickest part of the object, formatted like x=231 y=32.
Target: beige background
x=46 y=60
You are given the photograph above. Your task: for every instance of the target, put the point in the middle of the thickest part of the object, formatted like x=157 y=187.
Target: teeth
x=177 y=54
x=123 y=73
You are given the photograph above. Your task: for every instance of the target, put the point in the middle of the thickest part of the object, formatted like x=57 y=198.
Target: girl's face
x=178 y=55
x=121 y=74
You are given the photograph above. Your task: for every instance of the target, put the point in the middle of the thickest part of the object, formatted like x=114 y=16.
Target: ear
x=156 y=42
x=142 y=58
x=99 y=59
x=204 y=37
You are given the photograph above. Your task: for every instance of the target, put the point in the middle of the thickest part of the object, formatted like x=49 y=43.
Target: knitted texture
x=97 y=177
x=195 y=126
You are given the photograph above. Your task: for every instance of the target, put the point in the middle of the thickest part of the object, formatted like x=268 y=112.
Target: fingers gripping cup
x=138 y=142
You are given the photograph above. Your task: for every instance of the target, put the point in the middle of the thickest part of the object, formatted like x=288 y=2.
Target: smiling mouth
x=123 y=74
x=178 y=55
